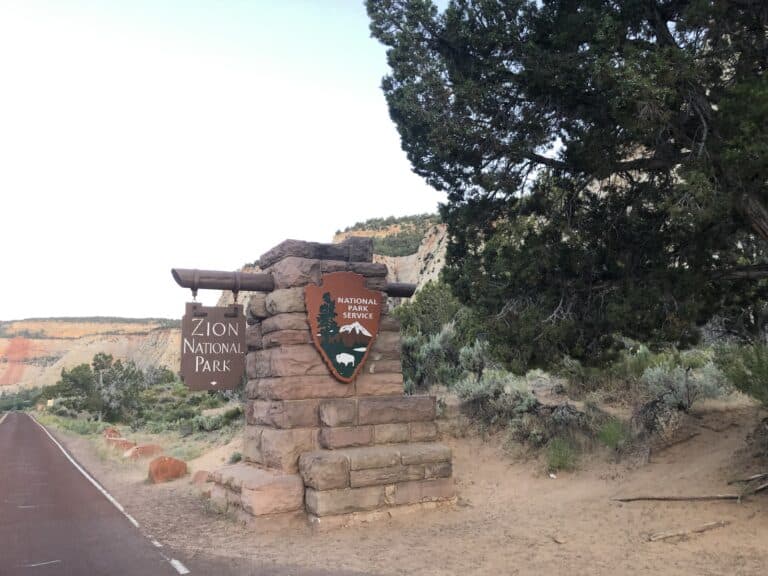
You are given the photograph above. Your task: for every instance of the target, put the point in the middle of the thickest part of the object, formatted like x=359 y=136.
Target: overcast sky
x=141 y=135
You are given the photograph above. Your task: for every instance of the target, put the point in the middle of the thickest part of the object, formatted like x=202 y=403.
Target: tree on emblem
x=326 y=319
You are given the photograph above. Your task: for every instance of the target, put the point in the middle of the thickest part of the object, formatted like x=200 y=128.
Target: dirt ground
x=511 y=517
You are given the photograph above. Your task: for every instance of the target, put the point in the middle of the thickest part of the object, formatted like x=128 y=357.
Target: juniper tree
x=605 y=162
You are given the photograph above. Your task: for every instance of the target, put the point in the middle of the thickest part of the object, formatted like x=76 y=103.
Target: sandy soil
x=511 y=518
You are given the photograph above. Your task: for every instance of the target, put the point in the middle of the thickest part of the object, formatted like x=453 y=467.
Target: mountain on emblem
x=357 y=328
x=344 y=317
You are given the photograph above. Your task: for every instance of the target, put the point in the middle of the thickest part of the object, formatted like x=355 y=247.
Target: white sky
x=141 y=135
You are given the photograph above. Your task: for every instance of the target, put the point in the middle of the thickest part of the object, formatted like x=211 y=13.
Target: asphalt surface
x=54 y=521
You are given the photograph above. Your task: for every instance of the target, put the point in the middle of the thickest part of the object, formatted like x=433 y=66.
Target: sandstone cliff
x=33 y=352
x=424 y=265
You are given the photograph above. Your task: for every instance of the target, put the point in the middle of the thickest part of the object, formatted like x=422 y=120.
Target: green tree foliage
x=432 y=307
x=107 y=388
x=19 y=400
x=326 y=318
x=417 y=222
x=605 y=163
x=406 y=240
x=435 y=329
x=399 y=244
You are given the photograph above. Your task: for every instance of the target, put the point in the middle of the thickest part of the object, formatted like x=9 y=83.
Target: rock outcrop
x=424 y=265
x=33 y=352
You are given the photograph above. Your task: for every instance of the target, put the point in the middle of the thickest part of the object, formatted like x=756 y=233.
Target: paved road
x=54 y=521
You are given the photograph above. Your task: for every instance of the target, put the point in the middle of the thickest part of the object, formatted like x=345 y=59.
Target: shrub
x=233 y=414
x=614 y=434
x=207 y=423
x=679 y=387
x=410 y=347
x=496 y=397
x=561 y=455
x=475 y=359
x=155 y=427
x=235 y=458
x=82 y=427
x=747 y=369
x=428 y=311
x=430 y=360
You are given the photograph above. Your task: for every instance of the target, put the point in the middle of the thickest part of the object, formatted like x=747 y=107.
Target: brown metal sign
x=344 y=318
x=212 y=347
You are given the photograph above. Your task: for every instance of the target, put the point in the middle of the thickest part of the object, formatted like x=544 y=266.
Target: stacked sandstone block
x=365 y=479
x=297 y=410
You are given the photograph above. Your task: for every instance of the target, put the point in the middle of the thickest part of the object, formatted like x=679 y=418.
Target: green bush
x=21 y=400
x=235 y=458
x=233 y=414
x=747 y=369
x=680 y=387
x=561 y=455
x=496 y=398
x=428 y=311
x=430 y=360
x=614 y=434
x=475 y=358
x=82 y=427
x=207 y=423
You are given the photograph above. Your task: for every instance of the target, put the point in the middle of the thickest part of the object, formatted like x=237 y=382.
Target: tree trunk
x=756 y=214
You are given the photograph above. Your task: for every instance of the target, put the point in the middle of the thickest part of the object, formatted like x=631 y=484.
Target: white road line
x=180 y=568
x=41 y=564
x=3 y=418
x=156 y=543
x=88 y=477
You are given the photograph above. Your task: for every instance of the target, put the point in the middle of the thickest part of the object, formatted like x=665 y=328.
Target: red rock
x=112 y=432
x=165 y=469
x=120 y=444
x=143 y=451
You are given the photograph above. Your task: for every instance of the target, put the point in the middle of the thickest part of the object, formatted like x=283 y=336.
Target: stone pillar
x=355 y=447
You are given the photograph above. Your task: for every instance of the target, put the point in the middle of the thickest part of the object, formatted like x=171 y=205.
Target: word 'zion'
x=357 y=308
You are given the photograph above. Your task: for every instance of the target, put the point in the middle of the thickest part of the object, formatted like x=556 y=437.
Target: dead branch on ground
x=681 y=533
x=678 y=498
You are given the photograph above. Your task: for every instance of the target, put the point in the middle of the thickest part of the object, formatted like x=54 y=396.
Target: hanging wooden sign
x=212 y=347
x=344 y=318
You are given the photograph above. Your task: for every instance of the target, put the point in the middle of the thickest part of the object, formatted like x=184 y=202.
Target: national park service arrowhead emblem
x=344 y=319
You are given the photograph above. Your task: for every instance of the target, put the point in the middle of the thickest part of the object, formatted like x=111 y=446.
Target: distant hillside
x=392 y=236
x=412 y=247
x=79 y=327
x=33 y=351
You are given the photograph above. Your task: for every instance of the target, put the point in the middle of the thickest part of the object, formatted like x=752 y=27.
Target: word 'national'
x=196 y=347
x=348 y=300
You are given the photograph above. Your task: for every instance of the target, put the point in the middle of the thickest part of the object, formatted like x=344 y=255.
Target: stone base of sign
x=323 y=523
x=256 y=491
x=360 y=479
x=313 y=443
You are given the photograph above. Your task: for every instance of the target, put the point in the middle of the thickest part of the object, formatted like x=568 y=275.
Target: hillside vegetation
x=392 y=236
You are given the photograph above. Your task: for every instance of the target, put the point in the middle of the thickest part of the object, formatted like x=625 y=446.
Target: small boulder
x=120 y=444
x=143 y=451
x=165 y=469
x=112 y=432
